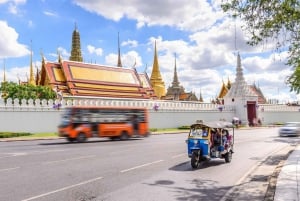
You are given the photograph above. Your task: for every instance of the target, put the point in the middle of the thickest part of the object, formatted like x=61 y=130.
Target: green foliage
x=12 y=134
x=13 y=90
x=184 y=127
x=278 y=20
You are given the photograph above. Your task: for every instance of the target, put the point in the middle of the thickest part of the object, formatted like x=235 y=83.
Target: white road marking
x=62 y=189
x=69 y=159
x=8 y=169
x=14 y=154
x=179 y=155
x=136 y=167
x=47 y=151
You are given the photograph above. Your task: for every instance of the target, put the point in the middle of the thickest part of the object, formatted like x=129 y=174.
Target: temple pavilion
x=77 y=78
x=177 y=92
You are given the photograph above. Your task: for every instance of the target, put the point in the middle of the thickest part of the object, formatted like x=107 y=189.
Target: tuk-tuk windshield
x=198 y=131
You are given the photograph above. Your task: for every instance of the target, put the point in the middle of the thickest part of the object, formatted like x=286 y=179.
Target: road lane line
x=14 y=154
x=136 y=167
x=8 y=169
x=62 y=189
x=69 y=159
x=47 y=151
x=179 y=155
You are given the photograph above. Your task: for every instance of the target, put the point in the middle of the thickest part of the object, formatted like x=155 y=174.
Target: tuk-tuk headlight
x=195 y=141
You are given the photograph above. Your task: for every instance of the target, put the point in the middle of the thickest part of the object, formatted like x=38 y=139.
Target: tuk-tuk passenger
x=204 y=132
x=217 y=137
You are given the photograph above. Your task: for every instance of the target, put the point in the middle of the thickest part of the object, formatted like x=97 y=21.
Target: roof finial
x=4 y=74
x=119 y=52
x=75 y=27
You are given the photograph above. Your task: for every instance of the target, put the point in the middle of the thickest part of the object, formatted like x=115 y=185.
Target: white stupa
x=241 y=96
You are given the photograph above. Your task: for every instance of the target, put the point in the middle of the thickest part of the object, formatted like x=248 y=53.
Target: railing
x=38 y=104
x=277 y=108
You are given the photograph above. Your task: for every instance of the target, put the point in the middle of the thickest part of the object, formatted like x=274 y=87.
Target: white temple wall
x=47 y=121
x=270 y=114
x=170 y=114
x=270 y=118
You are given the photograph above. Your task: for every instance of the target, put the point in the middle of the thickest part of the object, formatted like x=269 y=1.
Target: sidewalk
x=288 y=181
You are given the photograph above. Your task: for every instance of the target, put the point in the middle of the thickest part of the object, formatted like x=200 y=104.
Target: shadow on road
x=205 y=164
x=200 y=189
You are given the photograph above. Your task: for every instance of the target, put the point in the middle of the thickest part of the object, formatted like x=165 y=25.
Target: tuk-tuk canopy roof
x=215 y=124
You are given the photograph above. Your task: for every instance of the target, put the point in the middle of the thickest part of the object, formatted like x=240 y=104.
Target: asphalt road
x=148 y=169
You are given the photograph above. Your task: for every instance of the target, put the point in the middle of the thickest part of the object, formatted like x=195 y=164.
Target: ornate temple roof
x=177 y=92
x=82 y=79
x=74 y=77
x=224 y=89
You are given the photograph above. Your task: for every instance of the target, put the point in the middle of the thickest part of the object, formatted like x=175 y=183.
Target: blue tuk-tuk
x=210 y=140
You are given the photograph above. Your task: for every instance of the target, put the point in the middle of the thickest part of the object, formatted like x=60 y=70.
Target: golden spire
x=76 y=49
x=37 y=76
x=228 y=84
x=31 y=76
x=156 y=81
x=119 y=53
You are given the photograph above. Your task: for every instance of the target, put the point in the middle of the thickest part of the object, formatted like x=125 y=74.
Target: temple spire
x=119 y=52
x=31 y=75
x=59 y=56
x=175 y=82
x=200 y=97
x=239 y=88
x=156 y=80
x=76 y=49
x=4 y=73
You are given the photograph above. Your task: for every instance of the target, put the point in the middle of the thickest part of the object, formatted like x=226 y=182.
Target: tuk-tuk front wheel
x=228 y=157
x=195 y=159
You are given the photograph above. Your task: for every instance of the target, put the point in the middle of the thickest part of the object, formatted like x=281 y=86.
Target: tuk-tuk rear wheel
x=228 y=157
x=195 y=159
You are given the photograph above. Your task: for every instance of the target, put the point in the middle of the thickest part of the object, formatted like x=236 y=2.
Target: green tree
x=278 y=20
x=13 y=90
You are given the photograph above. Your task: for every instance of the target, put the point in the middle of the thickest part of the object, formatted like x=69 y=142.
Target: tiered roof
x=83 y=79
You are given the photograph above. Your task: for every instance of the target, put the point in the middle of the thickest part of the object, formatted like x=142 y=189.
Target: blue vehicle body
x=197 y=144
x=210 y=140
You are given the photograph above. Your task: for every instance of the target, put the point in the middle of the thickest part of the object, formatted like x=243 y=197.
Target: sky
x=203 y=39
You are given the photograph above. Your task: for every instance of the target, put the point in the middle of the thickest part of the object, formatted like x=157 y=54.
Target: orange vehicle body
x=79 y=123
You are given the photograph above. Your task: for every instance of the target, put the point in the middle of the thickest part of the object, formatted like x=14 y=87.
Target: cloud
x=9 y=45
x=130 y=43
x=13 y=5
x=93 y=50
x=50 y=14
x=129 y=59
x=182 y=14
x=63 y=53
